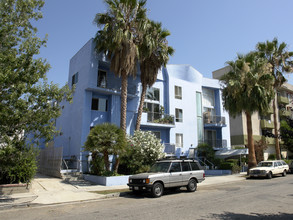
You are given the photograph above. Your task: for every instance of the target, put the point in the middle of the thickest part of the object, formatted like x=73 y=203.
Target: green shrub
x=143 y=150
x=18 y=164
x=226 y=166
x=272 y=157
x=236 y=168
x=106 y=139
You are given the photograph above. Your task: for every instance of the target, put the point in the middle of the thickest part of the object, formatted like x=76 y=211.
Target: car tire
x=270 y=175
x=284 y=173
x=157 y=190
x=192 y=185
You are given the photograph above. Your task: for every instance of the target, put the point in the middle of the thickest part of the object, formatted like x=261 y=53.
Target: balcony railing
x=155 y=117
x=113 y=86
x=216 y=143
x=214 y=120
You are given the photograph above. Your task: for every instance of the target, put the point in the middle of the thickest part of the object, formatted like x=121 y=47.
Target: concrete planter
x=217 y=172
x=107 y=180
x=9 y=189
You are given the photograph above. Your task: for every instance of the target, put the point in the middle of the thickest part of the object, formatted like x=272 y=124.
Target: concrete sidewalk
x=48 y=190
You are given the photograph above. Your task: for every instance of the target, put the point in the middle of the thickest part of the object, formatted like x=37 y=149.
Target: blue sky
x=204 y=33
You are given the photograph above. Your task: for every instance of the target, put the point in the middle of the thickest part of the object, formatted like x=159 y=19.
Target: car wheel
x=284 y=173
x=192 y=185
x=270 y=175
x=157 y=190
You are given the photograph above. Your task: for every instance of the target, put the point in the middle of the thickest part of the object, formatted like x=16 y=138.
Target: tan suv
x=168 y=174
x=269 y=169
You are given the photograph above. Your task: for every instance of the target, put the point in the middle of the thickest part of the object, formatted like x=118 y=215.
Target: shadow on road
x=252 y=216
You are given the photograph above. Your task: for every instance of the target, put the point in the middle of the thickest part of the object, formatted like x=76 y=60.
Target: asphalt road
x=249 y=199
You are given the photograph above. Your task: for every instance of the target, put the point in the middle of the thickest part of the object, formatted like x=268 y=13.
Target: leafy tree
x=154 y=53
x=248 y=87
x=281 y=61
x=28 y=103
x=18 y=164
x=286 y=130
x=143 y=151
x=119 y=39
x=106 y=139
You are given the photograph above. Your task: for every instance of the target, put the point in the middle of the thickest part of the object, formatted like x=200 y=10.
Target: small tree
x=143 y=151
x=107 y=139
x=286 y=130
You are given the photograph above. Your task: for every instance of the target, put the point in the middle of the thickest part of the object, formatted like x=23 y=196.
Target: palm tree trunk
x=106 y=160
x=140 y=108
x=277 y=145
x=251 y=153
x=123 y=102
x=117 y=162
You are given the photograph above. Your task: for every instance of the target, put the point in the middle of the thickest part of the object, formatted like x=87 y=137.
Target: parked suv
x=168 y=174
x=269 y=168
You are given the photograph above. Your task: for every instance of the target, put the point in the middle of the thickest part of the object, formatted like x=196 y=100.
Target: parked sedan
x=269 y=169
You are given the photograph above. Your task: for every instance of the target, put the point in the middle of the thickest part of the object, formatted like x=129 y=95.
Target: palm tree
x=248 y=87
x=118 y=39
x=281 y=60
x=154 y=53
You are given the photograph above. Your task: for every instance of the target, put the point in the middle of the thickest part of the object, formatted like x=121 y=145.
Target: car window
x=160 y=167
x=175 y=167
x=279 y=163
x=265 y=164
x=194 y=166
x=185 y=166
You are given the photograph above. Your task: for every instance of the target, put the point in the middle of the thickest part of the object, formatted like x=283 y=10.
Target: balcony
x=216 y=143
x=156 y=119
x=265 y=124
x=214 y=121
x=283 y=100
x=285 y=113
x=270 y=111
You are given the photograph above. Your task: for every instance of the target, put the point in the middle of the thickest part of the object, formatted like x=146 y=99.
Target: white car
x=269 y=169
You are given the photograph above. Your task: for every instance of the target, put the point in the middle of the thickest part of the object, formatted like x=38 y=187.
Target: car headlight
x=130 y=180
x=263 y=171
x=147 y=181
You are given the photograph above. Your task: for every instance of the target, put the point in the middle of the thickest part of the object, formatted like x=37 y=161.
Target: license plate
x=255 y=175
x=136 y=188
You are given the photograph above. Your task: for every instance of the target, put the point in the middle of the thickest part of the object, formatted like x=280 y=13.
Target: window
x=102 y=79
x=153 y=94
x=178 y=92
x=157 y=134
x=208 y=97
x=74 y=79
x=175 y=167
x=179 y=115
x=153 y=110
x=99 y=104
x=194 y=166
x=185 y=166
x=179 y=140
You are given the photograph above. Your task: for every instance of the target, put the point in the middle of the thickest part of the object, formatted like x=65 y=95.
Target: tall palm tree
x=281 y=60
x=154 y=53
x=118 y=39
x=248 y=88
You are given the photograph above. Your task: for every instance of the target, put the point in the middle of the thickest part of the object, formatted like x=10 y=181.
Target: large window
x=208 y=97
x=179 y=140
x=179 y=115
x=153 y=94
x=102 y=79
x=74 y=79
x=178 y=92
x=100 y=104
